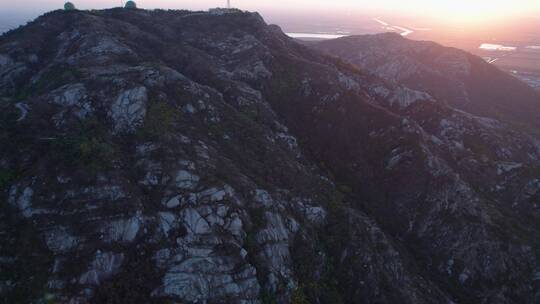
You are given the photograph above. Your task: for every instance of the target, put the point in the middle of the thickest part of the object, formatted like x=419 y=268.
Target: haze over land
x=476 y=12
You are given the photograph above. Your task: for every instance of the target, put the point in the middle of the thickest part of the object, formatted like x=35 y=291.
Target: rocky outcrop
x=11 y=72
x=129 y=109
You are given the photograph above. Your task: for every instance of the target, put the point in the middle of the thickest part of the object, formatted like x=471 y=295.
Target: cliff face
x=152 y=156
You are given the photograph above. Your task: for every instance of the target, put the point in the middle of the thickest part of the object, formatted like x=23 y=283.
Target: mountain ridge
x=221 y=161
x=464 y=80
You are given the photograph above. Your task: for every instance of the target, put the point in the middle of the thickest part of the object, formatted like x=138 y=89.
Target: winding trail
x=23 y=108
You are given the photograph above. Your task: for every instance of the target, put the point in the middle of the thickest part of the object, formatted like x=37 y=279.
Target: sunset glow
x=467 y=16
x=477 y=11
x=445 y=10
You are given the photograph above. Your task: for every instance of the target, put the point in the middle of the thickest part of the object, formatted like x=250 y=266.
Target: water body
x=497 y=47
x=315 y=35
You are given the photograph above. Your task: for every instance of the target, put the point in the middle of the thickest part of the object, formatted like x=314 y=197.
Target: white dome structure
x=69 y=6
x=131 y=4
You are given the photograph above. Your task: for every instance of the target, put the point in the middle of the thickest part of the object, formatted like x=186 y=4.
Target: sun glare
x=450 y=11
x=473 y=11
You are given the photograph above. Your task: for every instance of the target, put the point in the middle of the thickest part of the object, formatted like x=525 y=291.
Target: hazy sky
x=465 y=7
x=445 y=10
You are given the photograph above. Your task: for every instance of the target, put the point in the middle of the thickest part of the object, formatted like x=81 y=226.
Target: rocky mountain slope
x=453 y=76
x=189 y=157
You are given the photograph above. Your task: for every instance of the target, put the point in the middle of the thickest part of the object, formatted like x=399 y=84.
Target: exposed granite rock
x=104 y=265
x=22 y=200
x=11 y=73
x=59 y=240
x=186 y=180
x=72 y=98
x=129 y=109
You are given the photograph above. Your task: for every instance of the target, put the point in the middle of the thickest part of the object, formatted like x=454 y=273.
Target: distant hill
x=450 y=75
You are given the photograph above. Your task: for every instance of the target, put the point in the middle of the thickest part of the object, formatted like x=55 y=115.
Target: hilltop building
x=69 y=6
x=131 y=5
x=223 y=11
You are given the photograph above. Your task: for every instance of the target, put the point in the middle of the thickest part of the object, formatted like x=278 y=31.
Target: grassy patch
x=258 y=217
x=248 y=116
x=268 y=298
x=6 y=177
x=30 y=271
x=159 y=121
x=299 y=297
x=91 y=147
x=49 y=80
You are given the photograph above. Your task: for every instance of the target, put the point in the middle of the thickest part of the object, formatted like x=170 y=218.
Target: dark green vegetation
x=90 y=147
x=19 y=241
x=49 y=80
